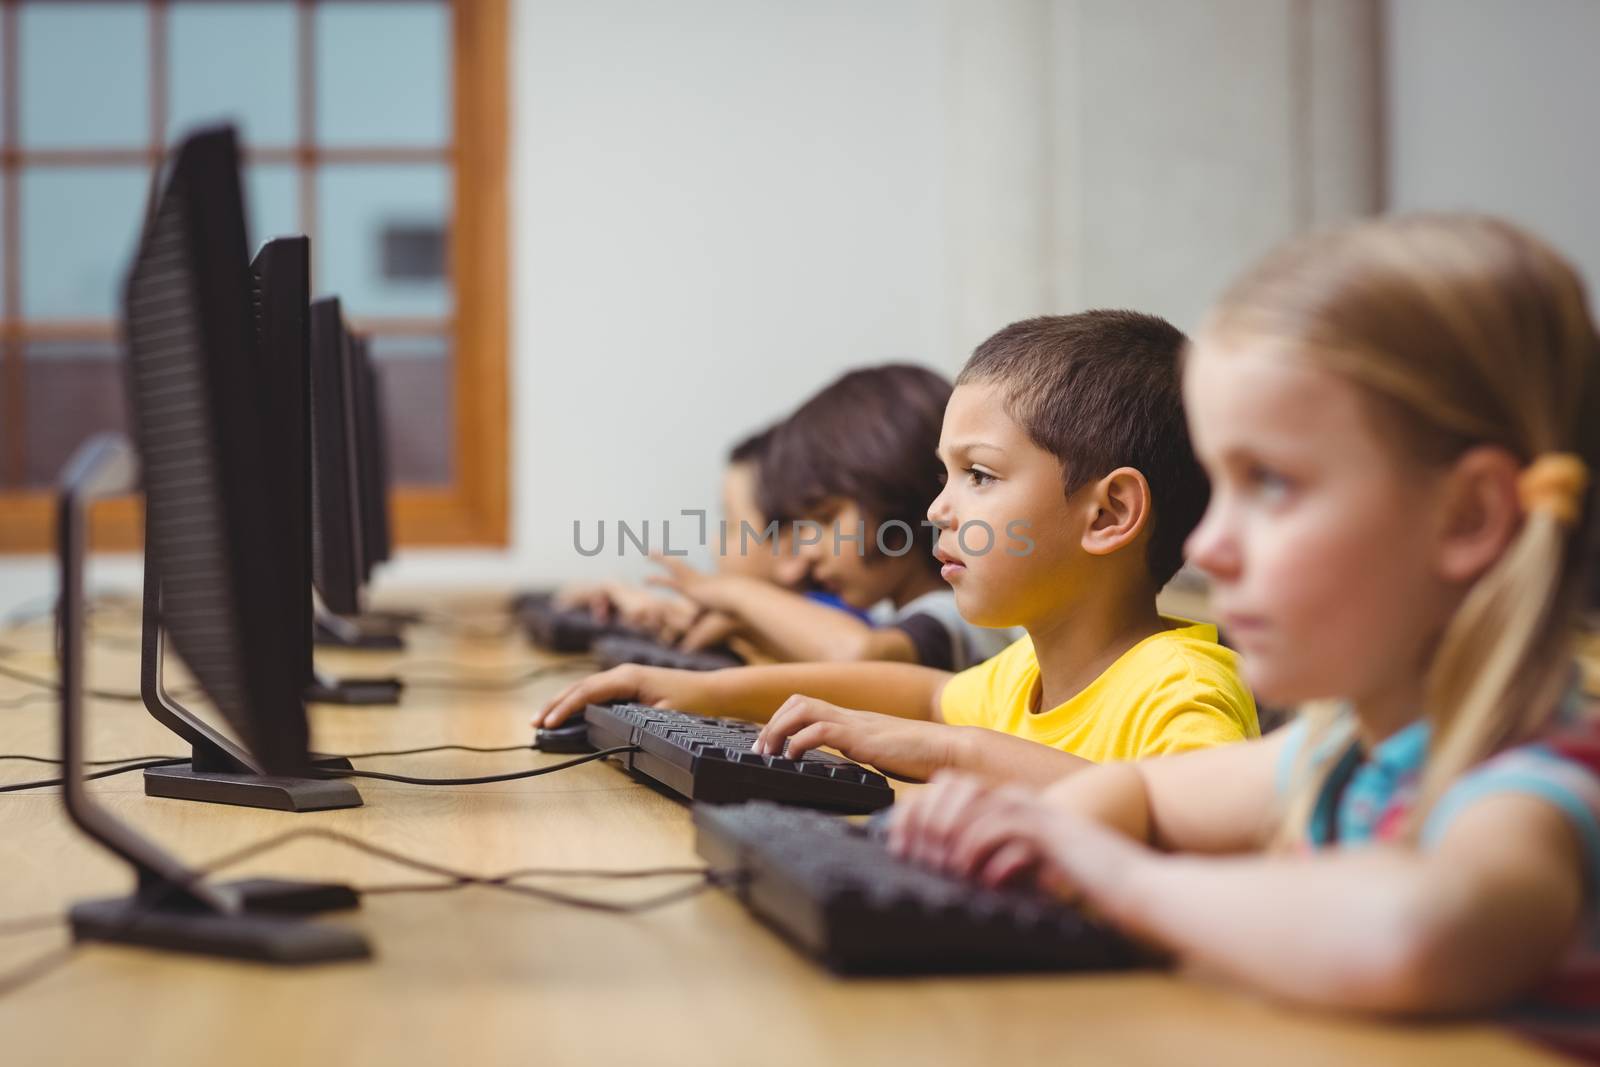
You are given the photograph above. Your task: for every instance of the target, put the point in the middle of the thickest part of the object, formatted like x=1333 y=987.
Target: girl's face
x=1320 y=540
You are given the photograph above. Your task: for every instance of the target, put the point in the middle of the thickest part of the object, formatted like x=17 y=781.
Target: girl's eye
x=976 y=477
x=1268 y=484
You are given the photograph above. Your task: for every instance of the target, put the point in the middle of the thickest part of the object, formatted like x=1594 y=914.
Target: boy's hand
x=712 y=628
x=900 y=747
x=718 y=592
x=656 y=686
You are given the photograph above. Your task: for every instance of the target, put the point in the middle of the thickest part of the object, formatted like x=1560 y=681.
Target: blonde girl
x=1398 y=420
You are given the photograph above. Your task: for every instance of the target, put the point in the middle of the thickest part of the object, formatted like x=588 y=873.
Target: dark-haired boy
x=847 y=477
x=1069 y=431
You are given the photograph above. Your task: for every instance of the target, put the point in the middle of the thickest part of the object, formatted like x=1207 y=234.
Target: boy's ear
x=1479 y=512
x=1119 y=508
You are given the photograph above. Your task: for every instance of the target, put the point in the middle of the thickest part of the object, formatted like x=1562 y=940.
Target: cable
x=493 y=685
x=137 y=763
x=36 y=968
x=455 y=878
x=57 y=761
x=487 y=779
x=54 y=687
x=31 y=924
x=15 y=787
x=319 y=755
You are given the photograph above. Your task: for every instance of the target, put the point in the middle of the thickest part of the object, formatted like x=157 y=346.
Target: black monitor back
x=197 y=416
x=337 y=558
x=373 y=460
x=282 y=272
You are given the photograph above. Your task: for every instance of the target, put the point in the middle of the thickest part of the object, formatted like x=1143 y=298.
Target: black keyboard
x=615 y=649
x=555 y=628
x=710 y=761
x=831 y=887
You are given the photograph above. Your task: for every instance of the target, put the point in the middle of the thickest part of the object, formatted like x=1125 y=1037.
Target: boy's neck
x=1076 y=646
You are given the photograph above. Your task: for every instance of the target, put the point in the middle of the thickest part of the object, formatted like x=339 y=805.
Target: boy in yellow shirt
x=1070 y=488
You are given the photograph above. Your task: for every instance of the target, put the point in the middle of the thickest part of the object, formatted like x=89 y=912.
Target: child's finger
x=789 y=717
x=816 y=735
x=943 y=815
x=1011 y=862
x=908 y=817
x=981 y=838
x=619 y=683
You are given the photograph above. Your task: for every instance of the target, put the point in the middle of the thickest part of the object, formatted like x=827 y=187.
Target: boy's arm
x=910 y=749
x=901 y=689
x=789 y=625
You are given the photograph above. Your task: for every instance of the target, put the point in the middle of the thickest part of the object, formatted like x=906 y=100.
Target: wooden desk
x=479 y=977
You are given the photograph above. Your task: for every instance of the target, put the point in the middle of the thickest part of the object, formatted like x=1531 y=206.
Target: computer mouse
x=570 y=736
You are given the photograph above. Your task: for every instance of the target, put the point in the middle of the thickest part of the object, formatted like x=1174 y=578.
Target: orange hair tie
x=1554 y=483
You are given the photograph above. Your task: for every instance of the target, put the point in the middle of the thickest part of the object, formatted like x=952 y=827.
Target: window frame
x=473 y=509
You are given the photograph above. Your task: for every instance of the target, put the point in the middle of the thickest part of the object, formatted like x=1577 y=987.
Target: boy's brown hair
x=871 y=437
x=1101 y=390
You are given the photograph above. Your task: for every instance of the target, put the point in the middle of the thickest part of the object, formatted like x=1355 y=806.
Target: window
x=362 y=123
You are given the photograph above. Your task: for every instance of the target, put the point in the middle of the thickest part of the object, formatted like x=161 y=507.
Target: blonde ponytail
x=1462 y=331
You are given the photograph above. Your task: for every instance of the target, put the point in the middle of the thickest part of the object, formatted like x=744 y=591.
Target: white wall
x=718 y=205
x=1492 y=107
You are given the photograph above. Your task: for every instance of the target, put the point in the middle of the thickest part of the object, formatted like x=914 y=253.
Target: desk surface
x=475 y=976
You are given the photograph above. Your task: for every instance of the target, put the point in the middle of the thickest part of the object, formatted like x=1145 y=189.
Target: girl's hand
x=656 y=686
x=901 y=747
x=1006 y=835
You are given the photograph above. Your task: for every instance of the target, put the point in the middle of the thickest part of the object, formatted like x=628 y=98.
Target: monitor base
x=267 y=930
x=182 y=782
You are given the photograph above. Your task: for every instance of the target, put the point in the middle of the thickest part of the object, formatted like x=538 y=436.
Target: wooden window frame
x=471 y=511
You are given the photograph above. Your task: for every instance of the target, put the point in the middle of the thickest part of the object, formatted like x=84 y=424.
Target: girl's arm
x=1466 y=924
x=1215 y=800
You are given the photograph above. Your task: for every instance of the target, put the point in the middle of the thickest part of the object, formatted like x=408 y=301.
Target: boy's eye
x=976 y=477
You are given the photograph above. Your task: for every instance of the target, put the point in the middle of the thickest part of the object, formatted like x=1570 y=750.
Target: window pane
x=272 y=197
x=414 y=376
x=78 y=229
x=383 y=74
x=72 y=389
x=383 y=230
x=85 y=75
x=235 y=62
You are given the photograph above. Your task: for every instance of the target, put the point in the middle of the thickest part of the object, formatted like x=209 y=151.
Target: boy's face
x=854 y=572
x=998 y=480
x=757 y=560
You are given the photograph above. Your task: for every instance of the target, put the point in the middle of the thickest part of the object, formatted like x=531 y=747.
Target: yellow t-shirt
x=1173 y=691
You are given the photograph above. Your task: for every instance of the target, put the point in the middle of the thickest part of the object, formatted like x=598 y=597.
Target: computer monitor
x=282 y=277
x=373 y=459
x=216 y=568
x=339 y=566
x=281 y=280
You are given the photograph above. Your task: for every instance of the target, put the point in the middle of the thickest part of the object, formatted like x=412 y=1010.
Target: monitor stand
x=336 y=631
x=366 y=692
x=173 y=906
x=219 y=771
